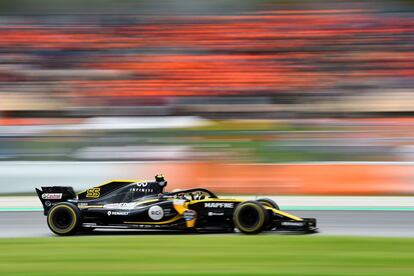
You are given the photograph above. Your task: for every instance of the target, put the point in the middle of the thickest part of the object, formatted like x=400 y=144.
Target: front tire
x=269 y=203
x=64 y=219
x=250 y=217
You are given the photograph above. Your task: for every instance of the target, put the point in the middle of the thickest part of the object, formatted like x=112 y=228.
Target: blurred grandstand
x=264 y=82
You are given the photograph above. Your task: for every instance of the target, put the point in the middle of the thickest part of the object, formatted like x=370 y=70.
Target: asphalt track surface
x=347 y=223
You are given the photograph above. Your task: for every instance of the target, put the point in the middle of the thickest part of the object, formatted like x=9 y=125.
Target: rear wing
x=50 y=196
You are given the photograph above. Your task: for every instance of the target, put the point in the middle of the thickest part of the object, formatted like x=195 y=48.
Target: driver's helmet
x=159 y=178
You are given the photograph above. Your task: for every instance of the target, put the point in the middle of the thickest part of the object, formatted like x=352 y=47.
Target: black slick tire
x=250 y=217
x=269 y=203
x=64 y=219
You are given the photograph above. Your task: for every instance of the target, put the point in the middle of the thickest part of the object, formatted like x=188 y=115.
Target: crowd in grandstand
x=72 y=62
x=59 y=71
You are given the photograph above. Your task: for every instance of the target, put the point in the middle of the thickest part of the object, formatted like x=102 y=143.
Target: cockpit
x=191 y=194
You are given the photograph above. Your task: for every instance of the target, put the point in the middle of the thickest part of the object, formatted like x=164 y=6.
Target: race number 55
x=93 y=193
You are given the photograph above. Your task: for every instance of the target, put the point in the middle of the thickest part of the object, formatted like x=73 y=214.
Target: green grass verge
x=207 y=255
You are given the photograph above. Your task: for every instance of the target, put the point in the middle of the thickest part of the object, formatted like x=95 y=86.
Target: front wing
x=304 y=225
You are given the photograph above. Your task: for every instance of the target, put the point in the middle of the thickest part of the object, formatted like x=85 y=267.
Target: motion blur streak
x=213 y=84
x=82 y=61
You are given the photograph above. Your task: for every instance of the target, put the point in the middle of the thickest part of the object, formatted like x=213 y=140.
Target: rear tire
x=269 y=203
x=64 y=219
x=250 y=217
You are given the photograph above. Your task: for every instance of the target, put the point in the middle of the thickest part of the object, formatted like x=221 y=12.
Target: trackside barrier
x=392 y=178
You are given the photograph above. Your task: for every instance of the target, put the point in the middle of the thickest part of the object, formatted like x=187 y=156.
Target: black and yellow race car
x=128 y=204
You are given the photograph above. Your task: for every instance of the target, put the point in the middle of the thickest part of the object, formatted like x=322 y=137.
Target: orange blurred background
x=311 y=97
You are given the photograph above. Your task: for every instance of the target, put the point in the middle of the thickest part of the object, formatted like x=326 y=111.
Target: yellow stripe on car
x=148 y=201
x=89 y=206
x=285 y=214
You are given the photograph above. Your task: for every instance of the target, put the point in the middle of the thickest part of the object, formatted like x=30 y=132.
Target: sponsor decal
x=117 y=213
x=155 y=212
x=143 y=190
x=219 y=205
x=293 y=223
x=93 y=193
x=127 y=206
x=211 y=214
x=52 y=196
x=167 y=211
x=189 y=215
x=48 y=203
x=142 y=184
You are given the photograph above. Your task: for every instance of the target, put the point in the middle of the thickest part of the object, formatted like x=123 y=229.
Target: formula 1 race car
x=124 y=204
